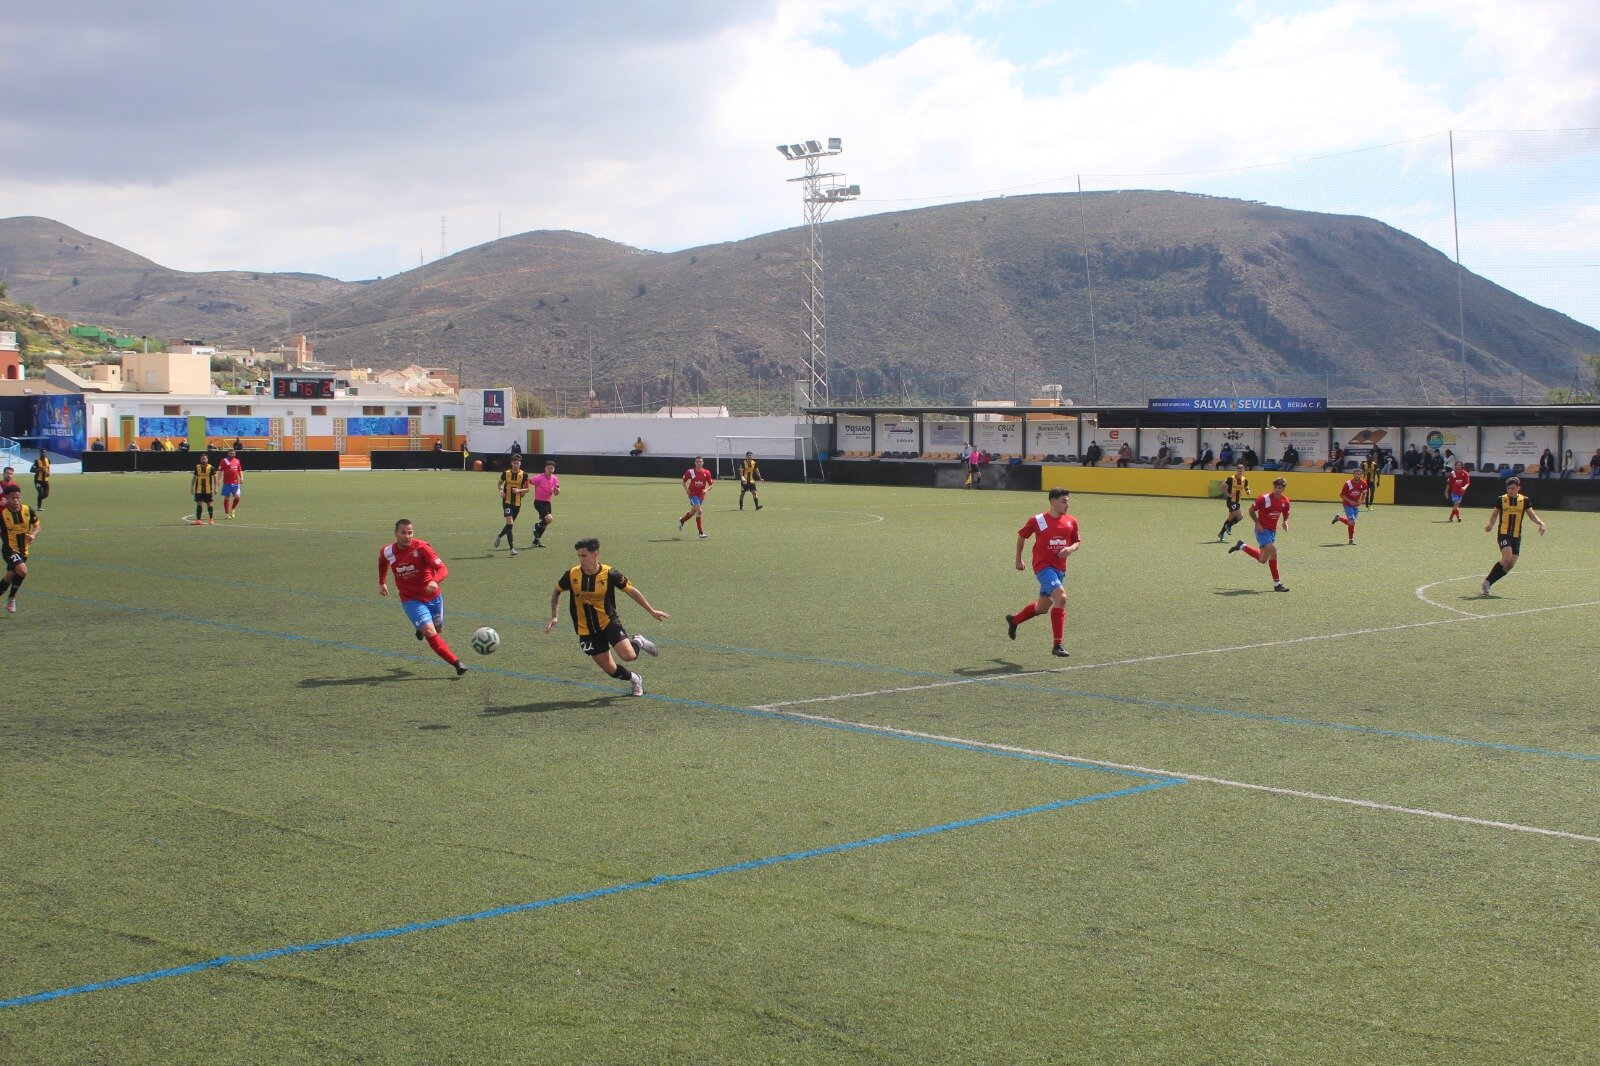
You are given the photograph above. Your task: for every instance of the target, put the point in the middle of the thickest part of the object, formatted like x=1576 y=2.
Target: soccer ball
x=485 y=641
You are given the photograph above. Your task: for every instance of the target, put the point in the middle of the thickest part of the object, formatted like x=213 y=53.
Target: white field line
x=1203 y=779
x=1181 y=654
x=1423 y=589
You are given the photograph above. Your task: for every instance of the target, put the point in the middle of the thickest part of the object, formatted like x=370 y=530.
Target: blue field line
x=994 y=682
x=613 y=690
x=574 y=897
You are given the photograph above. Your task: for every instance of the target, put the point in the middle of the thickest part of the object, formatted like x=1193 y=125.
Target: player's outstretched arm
x=555 y=605
x=638 y=597
x=1537 y=521
x=1494 y=516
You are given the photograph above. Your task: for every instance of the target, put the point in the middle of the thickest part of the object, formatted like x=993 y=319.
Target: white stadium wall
x=662 y=436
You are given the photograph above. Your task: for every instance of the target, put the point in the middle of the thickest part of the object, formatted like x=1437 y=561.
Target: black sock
x=5 y=583
x=622 y=673
x=16 y=583
x=197 y=512
x=1497 y=573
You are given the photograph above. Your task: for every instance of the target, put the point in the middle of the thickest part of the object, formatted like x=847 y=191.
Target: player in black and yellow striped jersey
x=1505 y=522
x=19 y=525
x=204 y=486
x=1370 y=469
x=593 y=587
x=1235 y=490
x=41 y=479
x=513 y=486
x=749 y=474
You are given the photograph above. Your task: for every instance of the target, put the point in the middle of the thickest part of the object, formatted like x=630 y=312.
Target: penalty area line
x=1275 y=790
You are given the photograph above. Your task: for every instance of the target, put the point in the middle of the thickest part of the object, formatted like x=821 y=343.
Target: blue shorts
x=422 y=613
x=1455 y=501
x=696 y=501
x=1352 y=513
x=230 y=490
x=1049 y=579
x=1265 y=537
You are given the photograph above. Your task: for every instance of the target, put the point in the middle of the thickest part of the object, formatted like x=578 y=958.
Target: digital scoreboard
x=290 y=387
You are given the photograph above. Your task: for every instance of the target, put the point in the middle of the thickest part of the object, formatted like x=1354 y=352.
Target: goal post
x=731 y=450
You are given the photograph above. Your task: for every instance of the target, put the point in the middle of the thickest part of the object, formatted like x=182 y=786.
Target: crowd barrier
x=132 y=462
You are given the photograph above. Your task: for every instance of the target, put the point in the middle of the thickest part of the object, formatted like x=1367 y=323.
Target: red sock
x=699 y=524
x=1272 y=564
x=1058 y=622
x=1025 y=614
x=1352 y=526
x=1455 y=512
x=441 y=649
x=1254 y=553
x=686 y=516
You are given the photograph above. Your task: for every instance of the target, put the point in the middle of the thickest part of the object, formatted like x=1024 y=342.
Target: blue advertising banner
x=494 y=407
x=164 y=427
x=237 y=426
x=377 y=427
x=1266 y=404
x=61 y=422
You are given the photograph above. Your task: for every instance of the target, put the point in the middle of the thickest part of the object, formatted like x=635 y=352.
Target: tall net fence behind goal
x=730 y=453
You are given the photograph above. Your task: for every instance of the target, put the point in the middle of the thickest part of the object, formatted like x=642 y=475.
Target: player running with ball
x=593 y=587
x=1267 y=509
x=417 y=573
x=1055 y=536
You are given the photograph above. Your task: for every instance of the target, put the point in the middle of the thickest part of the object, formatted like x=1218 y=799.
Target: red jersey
x=1268 y=509
x=698 y=481
x=413 y=568
x=1051 y=533
x=232 y=470
x=1457 y=481
x=1354 y=491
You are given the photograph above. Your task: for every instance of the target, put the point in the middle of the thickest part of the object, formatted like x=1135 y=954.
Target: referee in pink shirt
x=546 y=487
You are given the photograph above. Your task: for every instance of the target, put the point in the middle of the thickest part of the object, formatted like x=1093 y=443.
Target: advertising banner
x=946 y=436
x=855 y=433
x=898 y=435
x=377 y=427
x=1357 y=441
x=235 y=426
x=998 y=438
x=1053 y=437
x=1517 y=444
x=62 y=422
x=1214 y=404
x=494 y=407
x=1460 y=441
x=1312 y=444
x=1113 y=437
x=175 y=426
x=1180 y=441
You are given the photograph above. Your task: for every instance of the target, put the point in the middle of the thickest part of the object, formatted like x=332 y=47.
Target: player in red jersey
x=1351 y=493
x=1267 y=509
x=1055 y=536
x=697 y=481
x=417 y=573
x=1455 y=487
x=232 y=472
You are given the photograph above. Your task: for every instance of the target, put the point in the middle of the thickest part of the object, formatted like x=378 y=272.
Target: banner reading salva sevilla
x=1214 y=404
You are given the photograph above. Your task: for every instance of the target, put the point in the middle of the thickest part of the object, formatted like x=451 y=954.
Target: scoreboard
x=291 y=387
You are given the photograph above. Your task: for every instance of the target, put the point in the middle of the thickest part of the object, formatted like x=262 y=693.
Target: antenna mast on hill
x=820 y=191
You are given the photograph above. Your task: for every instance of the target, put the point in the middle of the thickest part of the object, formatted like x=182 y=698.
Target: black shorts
x=202 y=497
x=42 y=488
x=1234 y=507
x=1514 y=543
x=14 y=558
x=543 y=507
x=511 y=510
x=603 y=641
x=747 y=486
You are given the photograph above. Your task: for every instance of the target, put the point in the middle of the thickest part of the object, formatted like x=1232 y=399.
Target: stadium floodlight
x=784 y=148
x=820 y=191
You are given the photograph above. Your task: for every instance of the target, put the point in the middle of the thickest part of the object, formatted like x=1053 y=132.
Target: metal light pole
x=820 y=191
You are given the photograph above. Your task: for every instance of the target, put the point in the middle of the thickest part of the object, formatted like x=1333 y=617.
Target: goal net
x=730 y=451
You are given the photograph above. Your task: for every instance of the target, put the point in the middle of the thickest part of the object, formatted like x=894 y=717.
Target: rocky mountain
x=1118 y=295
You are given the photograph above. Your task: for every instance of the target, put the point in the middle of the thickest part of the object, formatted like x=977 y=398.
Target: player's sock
x=1058 y=622
x=1352 y=532
x=1023 y=615
x=1496 y=574
x=1254 y=553
x=16 y=583
x=622 y=673
x=197 y=514
x=1272 y=565
x=441 y=649
x=699 y=524
x=5 y=583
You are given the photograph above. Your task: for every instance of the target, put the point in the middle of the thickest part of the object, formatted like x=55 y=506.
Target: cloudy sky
x=331 y=137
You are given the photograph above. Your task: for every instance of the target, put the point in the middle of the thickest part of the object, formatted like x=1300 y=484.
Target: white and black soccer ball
x=485 y=641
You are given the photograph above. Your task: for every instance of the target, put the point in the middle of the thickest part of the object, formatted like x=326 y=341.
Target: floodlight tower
x=820 y=191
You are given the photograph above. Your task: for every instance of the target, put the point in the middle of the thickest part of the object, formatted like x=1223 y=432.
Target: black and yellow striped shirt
x=593 y=603
x=41 y=470
x=15 y=527
x=748 y=472
x=510 y=482
x=1235 y=488
x=1511 y=512
x=205 y=479
x=1369 y=470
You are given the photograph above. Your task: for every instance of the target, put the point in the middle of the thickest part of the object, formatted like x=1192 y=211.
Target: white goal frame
x=769 y=447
